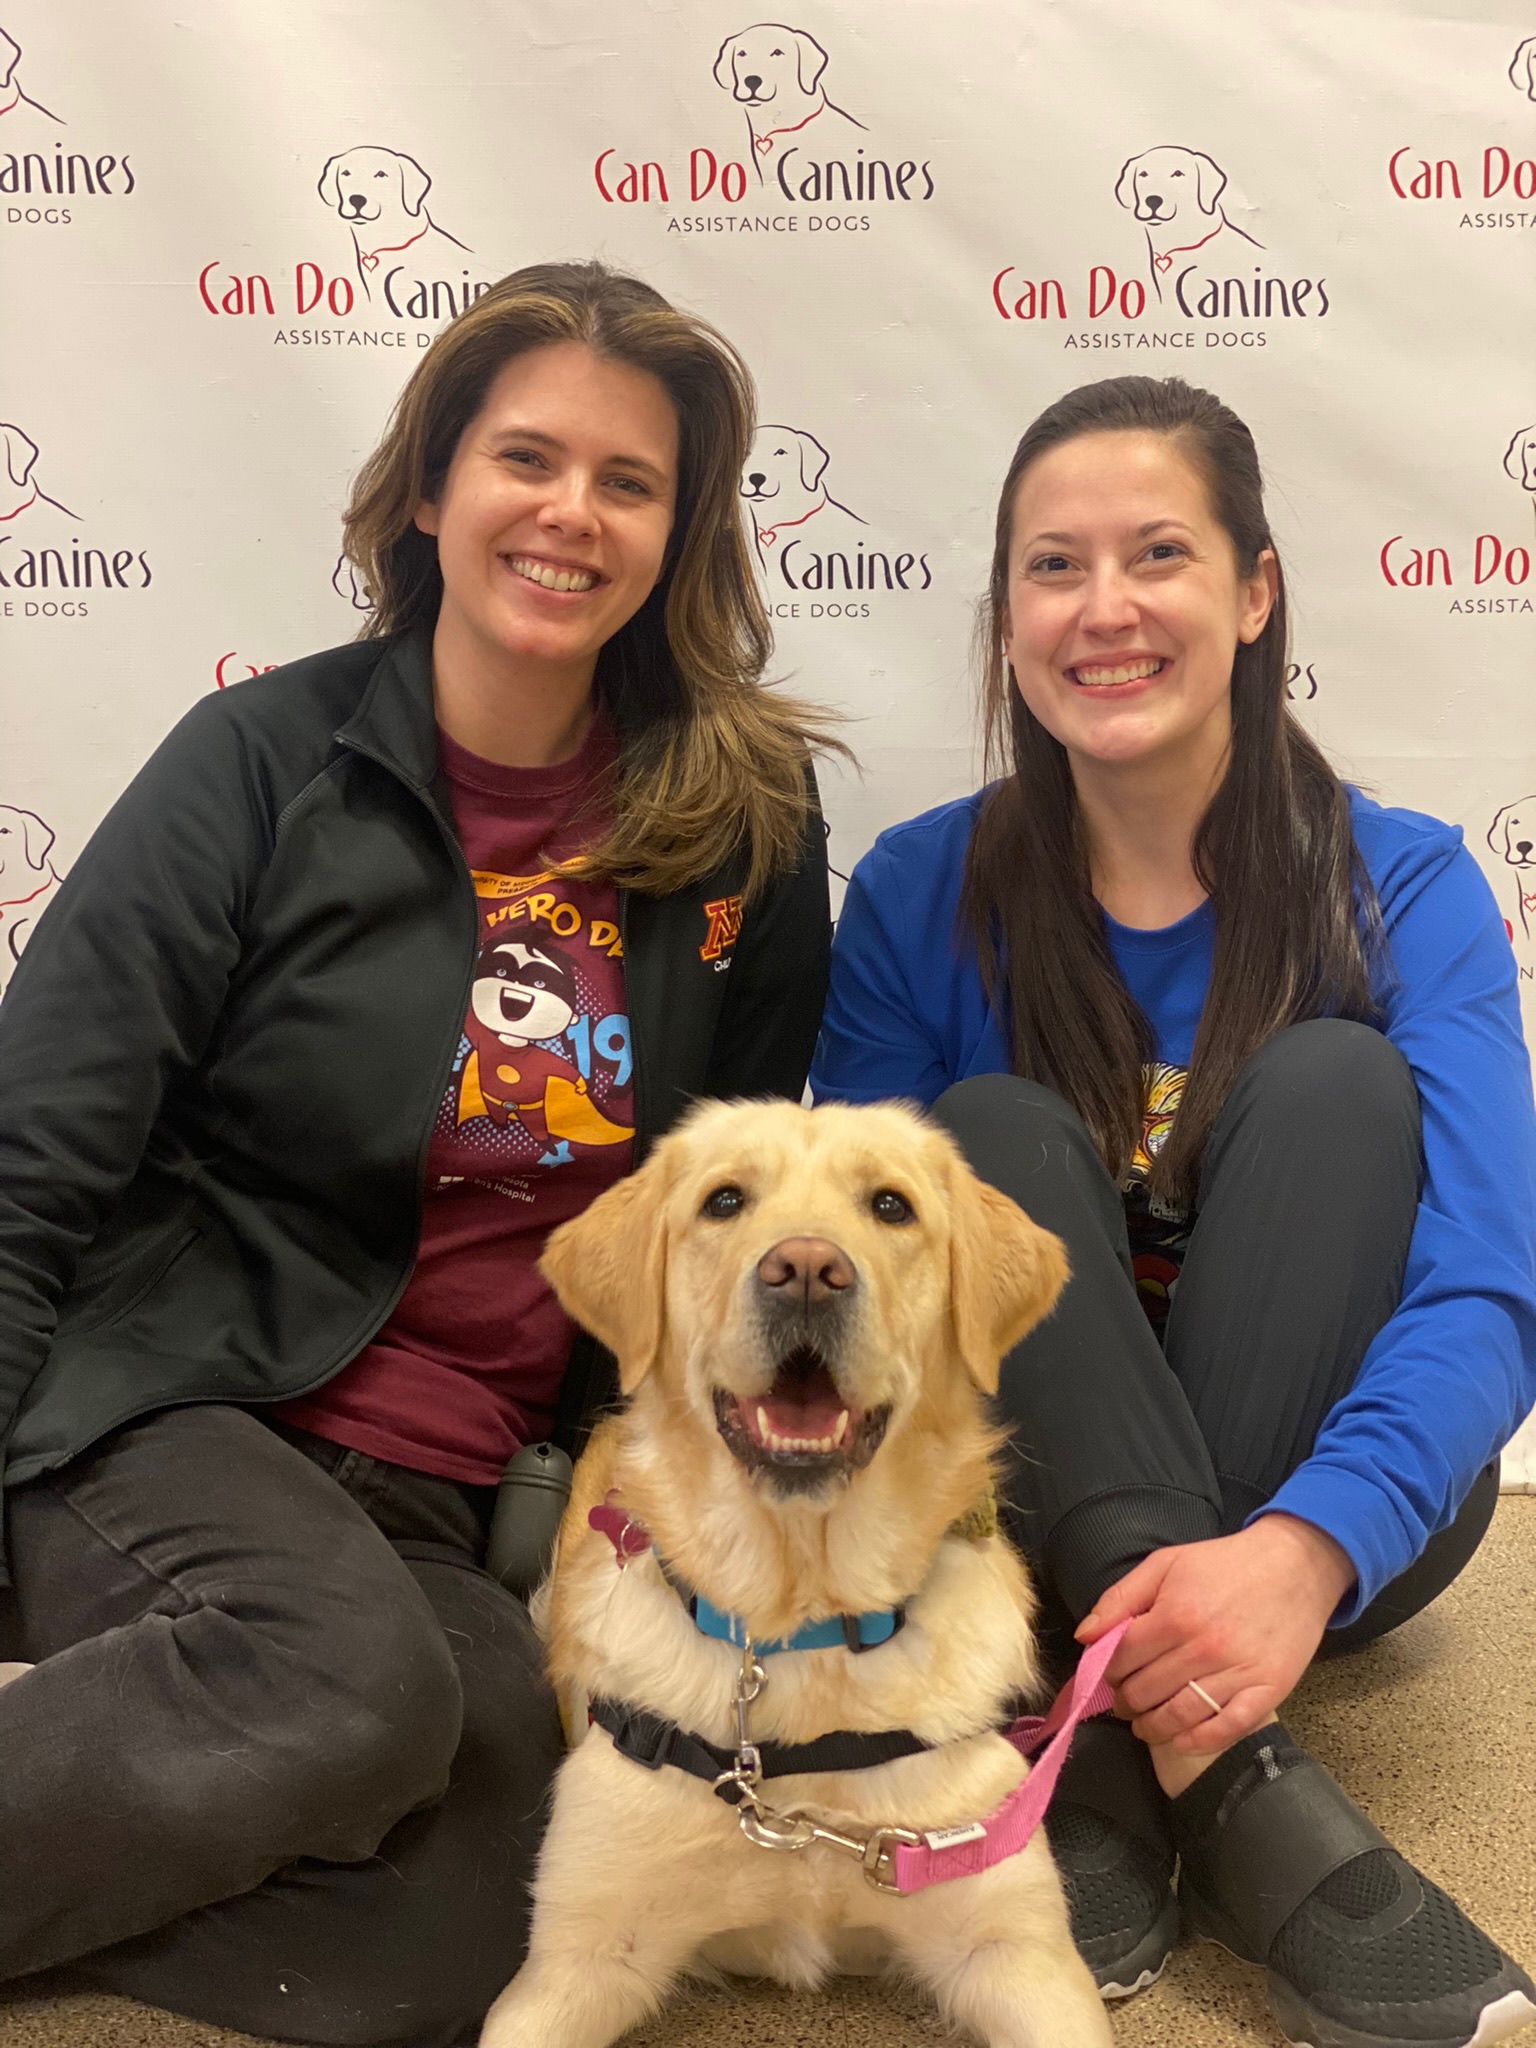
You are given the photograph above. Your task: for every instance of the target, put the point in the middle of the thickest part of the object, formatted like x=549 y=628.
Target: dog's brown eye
x=891 y=1207
x=724 y=1202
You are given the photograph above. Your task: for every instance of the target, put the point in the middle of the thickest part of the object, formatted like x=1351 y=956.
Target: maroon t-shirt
x=536 y=1121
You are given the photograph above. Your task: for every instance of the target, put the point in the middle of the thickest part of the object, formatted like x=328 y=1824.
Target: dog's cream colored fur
x=644 y=1873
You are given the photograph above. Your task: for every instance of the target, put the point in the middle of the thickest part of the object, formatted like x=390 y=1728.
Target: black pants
x=1306 y=1206
x=284 y=1761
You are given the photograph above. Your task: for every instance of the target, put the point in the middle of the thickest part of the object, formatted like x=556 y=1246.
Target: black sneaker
x=1108 y=1834
x=1363 y=1951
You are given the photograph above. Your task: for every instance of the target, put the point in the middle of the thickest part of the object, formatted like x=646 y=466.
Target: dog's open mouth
x=801 y=1424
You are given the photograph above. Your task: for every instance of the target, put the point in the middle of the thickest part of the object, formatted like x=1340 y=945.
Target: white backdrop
x=229 y=229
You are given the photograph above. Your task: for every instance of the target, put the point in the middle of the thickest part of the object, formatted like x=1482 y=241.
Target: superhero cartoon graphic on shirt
x=1159 y=1239
x=535 y=1062
x=524 y=992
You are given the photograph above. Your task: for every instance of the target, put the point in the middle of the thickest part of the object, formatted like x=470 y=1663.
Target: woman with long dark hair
x=1251 y=1044
x=385 y=964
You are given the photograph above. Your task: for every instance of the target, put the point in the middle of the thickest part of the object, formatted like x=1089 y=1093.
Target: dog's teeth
x=838 y=1433
x=762 y=1424
x=776 y=1442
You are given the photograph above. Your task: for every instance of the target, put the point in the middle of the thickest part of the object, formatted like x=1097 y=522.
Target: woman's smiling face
x=552 y=523
x=1125 y=602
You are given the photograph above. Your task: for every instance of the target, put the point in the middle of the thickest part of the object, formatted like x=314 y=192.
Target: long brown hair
x=710 y=761
x=1274 y=850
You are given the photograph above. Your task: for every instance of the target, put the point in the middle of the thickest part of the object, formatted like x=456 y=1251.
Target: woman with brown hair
x=386 y=963
x=1250 y=1043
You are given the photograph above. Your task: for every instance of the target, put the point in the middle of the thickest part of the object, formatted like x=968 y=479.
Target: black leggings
x=284 y=1762
x=1306 y=1205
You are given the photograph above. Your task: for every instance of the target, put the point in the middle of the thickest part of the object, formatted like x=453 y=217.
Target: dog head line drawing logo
x=1176 y=195
x=1522 y=69
x=1512 y=835
x=1520 y=458
x=346 y=583
x=381 y=194
x=12 y=94
x=19 y=488
x=784 y=486
x=28 y=879
x=773 y=73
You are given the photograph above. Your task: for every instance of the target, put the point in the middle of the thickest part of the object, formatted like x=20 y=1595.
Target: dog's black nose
x=1522 y=847
x=1153 y=202
x=356 y=199
x=812 y=1268
x=757 y=478
x=752 y=83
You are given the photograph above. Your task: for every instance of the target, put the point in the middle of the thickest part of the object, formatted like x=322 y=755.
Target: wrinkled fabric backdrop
x=230 y=230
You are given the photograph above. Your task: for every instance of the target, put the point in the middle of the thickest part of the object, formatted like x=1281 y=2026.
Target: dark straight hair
x=1274 y=850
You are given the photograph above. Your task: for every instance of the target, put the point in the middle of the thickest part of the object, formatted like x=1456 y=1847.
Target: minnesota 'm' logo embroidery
x=724 y=916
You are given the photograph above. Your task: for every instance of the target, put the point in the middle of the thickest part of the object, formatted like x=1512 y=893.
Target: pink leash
x=963 y=1851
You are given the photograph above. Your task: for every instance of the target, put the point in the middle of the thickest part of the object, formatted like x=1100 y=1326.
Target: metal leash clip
x=746 y=1772
x=796 y=1830
x=766 y=1827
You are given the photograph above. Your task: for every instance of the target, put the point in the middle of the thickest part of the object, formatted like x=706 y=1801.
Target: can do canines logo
x=1196 y=268
x=819 y=557
x=47 y=565
x=1495 y=568
x=796 y=161
x=42 y=179
x=1471 y=182
x=389 y=259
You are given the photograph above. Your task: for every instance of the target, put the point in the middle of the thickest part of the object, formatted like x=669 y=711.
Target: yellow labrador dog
x=807 y=1307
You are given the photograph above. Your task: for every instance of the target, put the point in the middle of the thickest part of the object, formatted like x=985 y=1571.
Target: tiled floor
x=1434 y=1731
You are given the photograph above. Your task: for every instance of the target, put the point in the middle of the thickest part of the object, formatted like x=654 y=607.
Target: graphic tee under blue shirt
x=1449 y=1377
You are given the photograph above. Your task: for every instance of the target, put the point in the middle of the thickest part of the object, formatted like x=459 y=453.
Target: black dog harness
x=647 y=1739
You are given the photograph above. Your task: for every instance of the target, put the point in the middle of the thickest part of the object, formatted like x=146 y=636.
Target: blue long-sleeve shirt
x=1448 y=1379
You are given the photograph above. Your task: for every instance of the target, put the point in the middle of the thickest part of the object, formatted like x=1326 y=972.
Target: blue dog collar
x=855 y=1632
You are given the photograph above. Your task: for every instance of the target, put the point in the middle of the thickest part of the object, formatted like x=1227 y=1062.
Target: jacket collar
x=396 y=722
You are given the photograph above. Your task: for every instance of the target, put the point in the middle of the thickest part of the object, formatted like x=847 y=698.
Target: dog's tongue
x=811 y=1413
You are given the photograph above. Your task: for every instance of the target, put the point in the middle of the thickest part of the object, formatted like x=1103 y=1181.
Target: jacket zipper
x=445 y=1063
x=642 y=1132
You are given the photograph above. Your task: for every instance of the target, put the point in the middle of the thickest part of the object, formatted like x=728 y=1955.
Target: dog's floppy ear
x=810 y=60
x=724 y=75
x=1210 y=181
x=813 y=459
x=20 y=453
x=609 y=1267
x=414 y=183
x=37 y=839
x=329 y=186
x=10 y=51
x=1005 y=1273
x=1125 y=189
x=1522 y=70
x=1515 y=460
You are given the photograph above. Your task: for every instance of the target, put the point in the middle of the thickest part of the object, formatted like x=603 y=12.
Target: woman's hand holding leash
x=1224 y=1629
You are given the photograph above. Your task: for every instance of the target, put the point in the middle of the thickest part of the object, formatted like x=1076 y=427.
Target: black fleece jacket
x=222 y=1052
